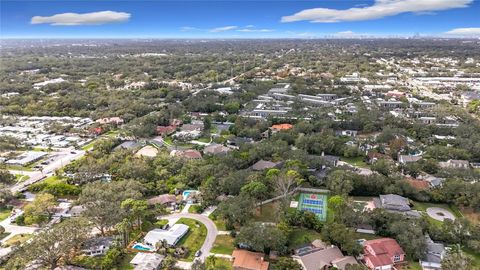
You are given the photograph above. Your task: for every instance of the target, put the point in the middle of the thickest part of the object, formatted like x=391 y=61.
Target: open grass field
x=17 y=240
x=474 y=255
x=4 y=213
x=355 y=161
x=219 y=263
x=195 y=237
x=223 y=245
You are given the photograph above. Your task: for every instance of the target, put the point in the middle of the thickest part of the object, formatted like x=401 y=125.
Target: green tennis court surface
x=315 y=203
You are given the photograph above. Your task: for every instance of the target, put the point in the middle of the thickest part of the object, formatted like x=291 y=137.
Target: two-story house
x=382 y=254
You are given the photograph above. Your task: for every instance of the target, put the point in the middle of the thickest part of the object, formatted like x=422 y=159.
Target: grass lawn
x=219 y=263
x=267 y=212
x=3 y=235
x=89 y=146
x=21 y=177
x=223 y=245
x=4 y=213
x=195 y=237
x=366 y=236
x=19 y=168
x=475 y=256
x=17 y=239
x=422 y=207
x=301 y=236
x=124 y=264
x=355 y=161
x=204 y=139
x=196 y=209
x=219 y=222
x=52 y=180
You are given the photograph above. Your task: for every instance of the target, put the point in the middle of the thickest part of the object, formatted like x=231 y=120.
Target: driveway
x=212 y=231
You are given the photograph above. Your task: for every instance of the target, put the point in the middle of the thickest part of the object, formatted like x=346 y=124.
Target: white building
x=172 y=235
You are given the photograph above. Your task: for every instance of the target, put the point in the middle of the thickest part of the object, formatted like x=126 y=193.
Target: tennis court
x=315 y=203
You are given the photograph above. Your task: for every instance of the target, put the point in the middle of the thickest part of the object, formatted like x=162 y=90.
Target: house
x=404 y=159
x=127 y=145
x=382 y=254
x=236 y=142
x=172 y=235
x=434 y=254
x=147 y=261
x=264 y=165
x=187 y=154
x=164 y=199
x=216 y=150
x=276 y=128
x=247 y=260
x=392 y=202
x=455 y=164
x=97 y=246
x=323 y=258
x=165 y=130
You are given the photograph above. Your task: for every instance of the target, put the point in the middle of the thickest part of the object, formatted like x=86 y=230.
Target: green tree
x=286 y=263
x=52 y=246
x=262 y=238
x=40 y=210
x=340 y=182
x=102 y=202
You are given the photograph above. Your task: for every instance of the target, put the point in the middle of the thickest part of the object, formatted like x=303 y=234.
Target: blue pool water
x=141 y=247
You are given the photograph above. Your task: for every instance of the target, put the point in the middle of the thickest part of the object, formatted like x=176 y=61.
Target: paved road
x=64 y=157
x=211 y=230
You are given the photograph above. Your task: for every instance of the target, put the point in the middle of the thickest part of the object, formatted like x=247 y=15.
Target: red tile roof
x=282 y=126
x=384 y=250
x=245 y=259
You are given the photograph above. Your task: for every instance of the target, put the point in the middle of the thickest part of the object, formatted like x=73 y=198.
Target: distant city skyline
x=239 y=19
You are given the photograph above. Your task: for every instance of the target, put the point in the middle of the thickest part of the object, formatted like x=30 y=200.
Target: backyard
x=300 y=236
x=223 y=245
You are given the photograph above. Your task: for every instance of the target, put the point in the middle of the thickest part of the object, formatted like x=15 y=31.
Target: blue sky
x=238 y=19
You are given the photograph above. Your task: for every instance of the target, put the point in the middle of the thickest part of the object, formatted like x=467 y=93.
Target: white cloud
x=92 y=18
x=346 y=33
x=188 y=28
x=223 y=28
x=472 y=31
x=380 y=9
x=252 y=30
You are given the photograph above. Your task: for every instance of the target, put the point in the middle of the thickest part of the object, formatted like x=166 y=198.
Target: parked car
x=198 y=253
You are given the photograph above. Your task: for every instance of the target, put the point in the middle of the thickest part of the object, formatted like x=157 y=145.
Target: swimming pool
x=142 y=247
x=187 y=193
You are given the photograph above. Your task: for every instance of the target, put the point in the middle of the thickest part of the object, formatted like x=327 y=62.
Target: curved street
x=212 y=231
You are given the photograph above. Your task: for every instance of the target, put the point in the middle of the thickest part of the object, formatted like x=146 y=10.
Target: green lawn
x=89 y=146
x=21 y=177
x=124 y=264
x=301 y=236
x=194 y=238
x=17 y=240
x=422 y=207
x=475 y=256
x=355 y=161
x=219 y=222
x=4 y=213
x=204 y=139
x=219 y=263
x=3 y=235
x=19 y=168
x=223 y=245
x=366 y=236
x=196 y=209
